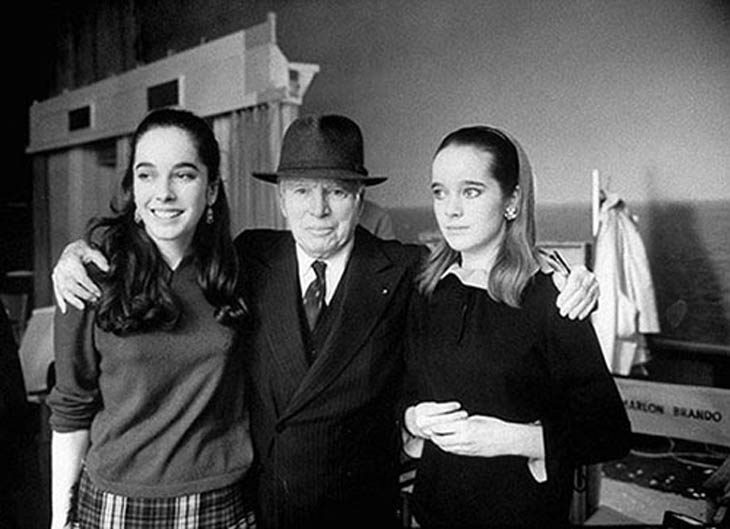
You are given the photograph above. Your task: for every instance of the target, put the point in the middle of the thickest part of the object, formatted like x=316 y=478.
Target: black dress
x=519 y=365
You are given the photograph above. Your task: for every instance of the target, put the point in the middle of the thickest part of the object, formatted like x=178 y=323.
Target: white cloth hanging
x=627 y=306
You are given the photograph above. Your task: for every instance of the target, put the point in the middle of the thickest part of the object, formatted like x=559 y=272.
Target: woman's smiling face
x=170 y=187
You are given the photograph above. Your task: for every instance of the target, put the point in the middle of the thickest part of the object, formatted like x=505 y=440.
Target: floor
x=660 y=475
x=630 y=504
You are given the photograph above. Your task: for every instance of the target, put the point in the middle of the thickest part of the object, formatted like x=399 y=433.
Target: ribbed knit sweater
x=165 y=409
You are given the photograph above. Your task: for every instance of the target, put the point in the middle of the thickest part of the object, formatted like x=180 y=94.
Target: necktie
x=314 y=296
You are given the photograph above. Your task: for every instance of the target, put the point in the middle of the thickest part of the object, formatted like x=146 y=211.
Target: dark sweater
x=165 y=409
x=520 y=365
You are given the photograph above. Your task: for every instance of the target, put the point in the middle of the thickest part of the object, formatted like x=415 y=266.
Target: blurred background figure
x=376 y=220
x=16 y=419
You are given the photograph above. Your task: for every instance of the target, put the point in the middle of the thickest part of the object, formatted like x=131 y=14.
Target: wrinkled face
x=321 y=213
x=170 y=187
x=468 y=202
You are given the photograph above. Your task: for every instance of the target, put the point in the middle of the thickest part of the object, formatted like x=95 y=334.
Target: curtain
x=250 y=140
x=70 y=186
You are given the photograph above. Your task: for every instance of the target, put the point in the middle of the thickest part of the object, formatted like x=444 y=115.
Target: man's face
x=321 y=213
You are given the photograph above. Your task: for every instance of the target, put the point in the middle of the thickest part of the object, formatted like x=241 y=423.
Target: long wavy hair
x=136 y=294
x=516 y=260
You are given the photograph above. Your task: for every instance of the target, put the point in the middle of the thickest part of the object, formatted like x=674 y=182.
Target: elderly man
x=328 y=302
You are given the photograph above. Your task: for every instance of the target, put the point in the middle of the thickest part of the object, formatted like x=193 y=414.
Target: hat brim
x=334 y=174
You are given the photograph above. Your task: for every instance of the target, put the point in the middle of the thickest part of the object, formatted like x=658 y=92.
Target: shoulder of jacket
x=258 y=240
x=401 y=253
x=404 y=251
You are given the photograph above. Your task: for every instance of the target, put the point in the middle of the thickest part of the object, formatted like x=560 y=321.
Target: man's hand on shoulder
x=579 y=292
x=71 y=283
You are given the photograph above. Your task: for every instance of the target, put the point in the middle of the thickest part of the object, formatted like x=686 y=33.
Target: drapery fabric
x=250 y=140
x=70 y=186
x=627 y=306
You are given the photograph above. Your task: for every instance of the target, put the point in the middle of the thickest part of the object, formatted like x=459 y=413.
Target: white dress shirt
x=333 y=273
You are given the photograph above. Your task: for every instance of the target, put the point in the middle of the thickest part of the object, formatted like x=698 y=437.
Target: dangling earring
x=209 y=215
x=510 y=213
x=137 y=217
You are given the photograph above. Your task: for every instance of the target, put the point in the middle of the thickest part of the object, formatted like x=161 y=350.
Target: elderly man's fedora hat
x=328 y=146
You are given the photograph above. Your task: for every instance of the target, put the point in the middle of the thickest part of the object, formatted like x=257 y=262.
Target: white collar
x=333 y=273
x=472 y=277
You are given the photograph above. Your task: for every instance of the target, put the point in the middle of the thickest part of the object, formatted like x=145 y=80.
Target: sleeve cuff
x=537 y=469
x=412 y=445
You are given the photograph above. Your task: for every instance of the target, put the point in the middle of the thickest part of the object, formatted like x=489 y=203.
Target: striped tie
x=314 y=296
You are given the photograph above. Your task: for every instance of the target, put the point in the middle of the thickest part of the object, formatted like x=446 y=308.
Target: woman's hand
x=425 y=418
x=71 y=283
x=482 y=436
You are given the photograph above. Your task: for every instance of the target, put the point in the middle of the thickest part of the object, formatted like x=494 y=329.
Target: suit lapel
x=278 y=312
x=370 y=279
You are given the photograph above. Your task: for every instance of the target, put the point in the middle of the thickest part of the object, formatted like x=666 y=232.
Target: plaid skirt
x=222 y=508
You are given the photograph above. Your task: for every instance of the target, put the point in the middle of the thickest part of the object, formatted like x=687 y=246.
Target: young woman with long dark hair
x=150 y=428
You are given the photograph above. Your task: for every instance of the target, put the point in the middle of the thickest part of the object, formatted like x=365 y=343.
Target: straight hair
x=516 y=261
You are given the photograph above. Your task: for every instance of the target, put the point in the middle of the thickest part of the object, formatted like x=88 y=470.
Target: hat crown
x=328 y=142
x=322 y=146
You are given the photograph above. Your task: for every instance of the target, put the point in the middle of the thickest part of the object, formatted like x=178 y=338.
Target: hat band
x=359 y=169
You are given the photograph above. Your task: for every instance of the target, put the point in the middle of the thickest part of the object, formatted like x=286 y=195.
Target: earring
x=209 y=215
x=510 y=213
x=137 y=217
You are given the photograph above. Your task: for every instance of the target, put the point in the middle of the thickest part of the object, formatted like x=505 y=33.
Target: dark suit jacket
x=326 y=436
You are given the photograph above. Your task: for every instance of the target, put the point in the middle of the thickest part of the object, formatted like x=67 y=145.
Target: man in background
x=377 y=220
